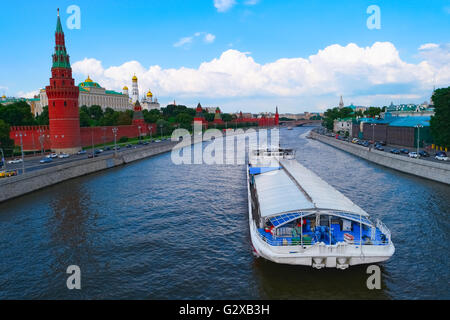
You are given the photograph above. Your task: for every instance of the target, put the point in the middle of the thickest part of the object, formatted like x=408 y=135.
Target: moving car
x=423 y=153
x=52 y=156
x=379 y=147
x=355 y=140
x=63 y=155
x=405 y=151
x=129 y=146
x=413 y=155
x=441 y=156
x=81 y=152
x=90 y=155
x=395 y=151
x=46 y=160
x=15 y=161
x=9 y=173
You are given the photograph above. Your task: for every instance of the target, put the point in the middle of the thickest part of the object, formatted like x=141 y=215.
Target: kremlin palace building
x=91 y=93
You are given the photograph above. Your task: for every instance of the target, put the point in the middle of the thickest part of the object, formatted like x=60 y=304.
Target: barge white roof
x=322 y=194
x=278 y=192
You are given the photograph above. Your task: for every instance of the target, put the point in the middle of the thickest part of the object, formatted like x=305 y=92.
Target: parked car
x=383 y=143
x=90 y=155
x=157 y=141
x=129 y=146
x=395 y=151
x=52 y=156
x=146 y=143
x=15 y=161
x=413 y=155
x=97 y=151
x=405 y=151
x=116 y=148
x=379 y=147
x=366 y=144
x=46 y=160
x=355 y=140
x=81 y=152
x=423 y=153
x=107 y=149
x=63 y=155
x=441 y=156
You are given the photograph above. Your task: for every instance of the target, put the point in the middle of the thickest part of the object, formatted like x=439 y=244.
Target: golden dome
x=125 y=88
x=88 y=79
x=135 y=78
x=3 y=97
x=149 y=94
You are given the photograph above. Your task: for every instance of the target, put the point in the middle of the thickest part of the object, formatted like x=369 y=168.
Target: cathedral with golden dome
x=148 y=102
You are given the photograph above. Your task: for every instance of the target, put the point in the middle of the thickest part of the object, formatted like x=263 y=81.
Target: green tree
x=17 y=114
x=42 y=119
x=372 y=112
x=85 y=120
x=96 y=112
x=440 y=122
x=6 y=143
x=124 y=119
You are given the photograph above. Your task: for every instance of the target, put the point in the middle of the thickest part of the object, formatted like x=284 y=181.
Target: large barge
x=297 y=218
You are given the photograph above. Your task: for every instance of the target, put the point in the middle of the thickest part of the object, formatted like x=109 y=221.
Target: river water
x=155 y=230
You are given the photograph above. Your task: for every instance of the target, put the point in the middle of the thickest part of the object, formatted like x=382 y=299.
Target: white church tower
x=135 y=90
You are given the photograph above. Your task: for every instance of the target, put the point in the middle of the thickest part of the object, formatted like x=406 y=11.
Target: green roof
x=112 y=92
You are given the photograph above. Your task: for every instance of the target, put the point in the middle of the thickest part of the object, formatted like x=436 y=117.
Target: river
x=155 y=230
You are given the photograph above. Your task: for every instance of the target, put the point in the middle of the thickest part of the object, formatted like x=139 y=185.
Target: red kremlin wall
x=32 y=136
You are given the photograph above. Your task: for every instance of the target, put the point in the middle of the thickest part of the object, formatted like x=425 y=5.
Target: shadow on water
x=287 y=282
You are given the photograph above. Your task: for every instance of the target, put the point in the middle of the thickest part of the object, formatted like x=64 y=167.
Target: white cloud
x=209 y=38
x=28 y=95
x=376 y=72
x=427 y=46
x=183 y=41
x=224 y=5
x=186 y=41
x=251 y=2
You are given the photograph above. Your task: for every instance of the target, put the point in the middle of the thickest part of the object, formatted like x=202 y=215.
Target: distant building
x=148 y=103
x=409 y=110
x=91 y=93
x=343 y=125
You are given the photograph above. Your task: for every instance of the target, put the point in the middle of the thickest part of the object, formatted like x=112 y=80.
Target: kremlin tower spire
x=277 y=117
x=63 y=99
x=135 y=90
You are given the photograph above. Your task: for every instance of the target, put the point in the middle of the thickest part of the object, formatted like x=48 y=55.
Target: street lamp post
x=150 y=129
x=21 y=146
x=373 y=132
x=114 y=130
x=92 y=136
x=418 y=137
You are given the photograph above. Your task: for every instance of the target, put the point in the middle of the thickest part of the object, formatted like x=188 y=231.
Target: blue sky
x=255 y=54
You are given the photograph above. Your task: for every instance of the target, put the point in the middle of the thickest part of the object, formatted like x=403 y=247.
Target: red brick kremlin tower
x=62 y=96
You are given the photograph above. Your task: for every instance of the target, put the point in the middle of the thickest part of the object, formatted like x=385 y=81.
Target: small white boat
x=297 y=218
x=290 y=128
